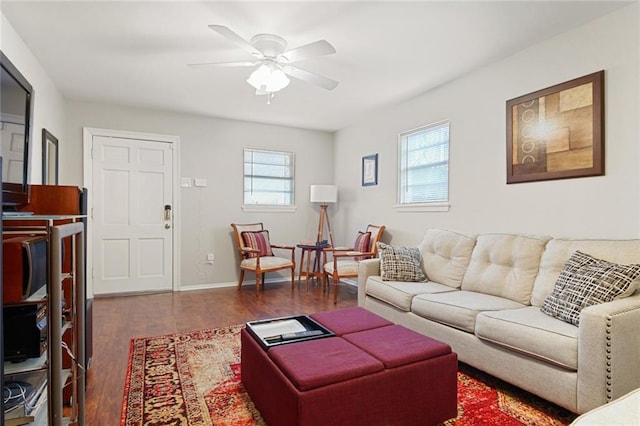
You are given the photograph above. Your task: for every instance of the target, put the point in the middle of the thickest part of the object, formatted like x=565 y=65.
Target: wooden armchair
x=345 y=259
x=256 y=254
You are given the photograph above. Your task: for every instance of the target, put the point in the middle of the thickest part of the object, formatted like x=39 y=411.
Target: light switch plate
x=201 y=182
x=185 y=182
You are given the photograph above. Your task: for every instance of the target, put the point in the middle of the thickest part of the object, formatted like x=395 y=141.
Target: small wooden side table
x=307 y=269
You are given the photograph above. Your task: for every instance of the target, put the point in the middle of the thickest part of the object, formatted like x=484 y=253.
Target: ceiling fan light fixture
x=270 y=52
x=268 y=78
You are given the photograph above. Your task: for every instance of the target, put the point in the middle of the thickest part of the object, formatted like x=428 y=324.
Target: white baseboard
x=210 y=286
x=207 y=286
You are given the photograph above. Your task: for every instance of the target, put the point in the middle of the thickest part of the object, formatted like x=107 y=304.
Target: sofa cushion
x=400 y=294
x=446 y=255
x=505 y=265
x=586 y=281
x=400 y=263
x=533 y=333
x=559 y=250
x=459 y=308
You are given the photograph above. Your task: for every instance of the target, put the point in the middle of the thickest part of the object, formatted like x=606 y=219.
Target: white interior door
x=132 y=229
x=12 y=151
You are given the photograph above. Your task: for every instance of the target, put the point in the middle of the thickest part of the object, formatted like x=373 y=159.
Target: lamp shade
x=323 y=194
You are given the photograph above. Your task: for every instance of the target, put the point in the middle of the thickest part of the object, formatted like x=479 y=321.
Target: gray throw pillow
x=400 y=263
x=585 y=281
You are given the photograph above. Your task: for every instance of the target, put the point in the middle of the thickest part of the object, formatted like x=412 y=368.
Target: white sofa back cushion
x=446 y=255
x=559 y=250
x=505 y=265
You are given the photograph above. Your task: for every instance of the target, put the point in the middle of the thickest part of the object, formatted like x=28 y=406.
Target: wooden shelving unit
x=63 y=232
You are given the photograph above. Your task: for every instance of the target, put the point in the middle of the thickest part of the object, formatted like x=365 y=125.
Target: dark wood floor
x=119 y=319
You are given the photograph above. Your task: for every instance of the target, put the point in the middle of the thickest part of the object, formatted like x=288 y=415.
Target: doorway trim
x=87 y=169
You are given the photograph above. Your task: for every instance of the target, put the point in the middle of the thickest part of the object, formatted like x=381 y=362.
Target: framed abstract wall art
x=557 y=132
x=370 y=170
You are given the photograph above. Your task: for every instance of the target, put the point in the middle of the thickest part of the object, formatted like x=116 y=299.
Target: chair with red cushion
x=256 y=254
x=344 y=262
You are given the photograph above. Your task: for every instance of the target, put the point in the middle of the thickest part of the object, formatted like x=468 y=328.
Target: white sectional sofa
x=484 y=296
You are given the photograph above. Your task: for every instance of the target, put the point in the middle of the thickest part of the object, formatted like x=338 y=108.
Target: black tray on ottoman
x=281 y=331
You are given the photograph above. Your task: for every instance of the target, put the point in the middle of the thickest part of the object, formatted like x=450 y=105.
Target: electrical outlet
x=210 y=257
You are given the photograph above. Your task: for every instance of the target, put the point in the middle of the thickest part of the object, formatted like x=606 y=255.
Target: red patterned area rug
x=194 y=379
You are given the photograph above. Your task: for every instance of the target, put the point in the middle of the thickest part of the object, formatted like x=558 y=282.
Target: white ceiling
x=135 y=53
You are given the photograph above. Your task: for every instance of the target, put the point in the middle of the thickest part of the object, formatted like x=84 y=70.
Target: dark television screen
x=16 y=102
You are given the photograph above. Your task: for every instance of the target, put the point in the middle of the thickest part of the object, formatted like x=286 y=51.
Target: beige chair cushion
x=345 y=267
x=459 y=308
x=505 y=265
x=533 y=333
x=266 y=262
x=446 y=255
x=559 y=250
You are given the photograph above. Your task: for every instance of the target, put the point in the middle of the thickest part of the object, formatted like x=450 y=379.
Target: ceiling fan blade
x=317 y=48
x=230 y=35
x=309 y=77
x=225 y=64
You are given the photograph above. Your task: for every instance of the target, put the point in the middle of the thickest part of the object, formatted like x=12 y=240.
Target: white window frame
x=259 y=207
x=436 y=205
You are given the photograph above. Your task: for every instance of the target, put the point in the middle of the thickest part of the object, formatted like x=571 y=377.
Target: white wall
x=212 y=149
x=49 y=104
x=481 y=201
x=605 y=206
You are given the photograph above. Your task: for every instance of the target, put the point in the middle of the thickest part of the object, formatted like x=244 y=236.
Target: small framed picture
x=370 y=170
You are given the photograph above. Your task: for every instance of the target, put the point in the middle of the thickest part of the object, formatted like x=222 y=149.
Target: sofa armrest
x=608 y=351
x=366 y=268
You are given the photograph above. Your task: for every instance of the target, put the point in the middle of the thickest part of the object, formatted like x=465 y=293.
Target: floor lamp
x=324 y=194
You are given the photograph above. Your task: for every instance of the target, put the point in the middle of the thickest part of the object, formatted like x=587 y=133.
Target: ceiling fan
x=273 y=61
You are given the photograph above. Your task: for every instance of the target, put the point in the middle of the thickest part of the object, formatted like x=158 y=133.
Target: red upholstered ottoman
x=386 y=375
x=349 y=320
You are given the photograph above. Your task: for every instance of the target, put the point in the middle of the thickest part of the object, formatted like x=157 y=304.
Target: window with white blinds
x=268 y=177
x=424 y=165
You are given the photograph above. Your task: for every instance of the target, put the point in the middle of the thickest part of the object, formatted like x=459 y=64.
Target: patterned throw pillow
x=362 y=243
x=585 y=281
x=258 y=240
x=400 y=263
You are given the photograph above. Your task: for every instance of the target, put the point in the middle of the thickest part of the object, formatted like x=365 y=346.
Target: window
x=268 y=178
x=424 y=165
